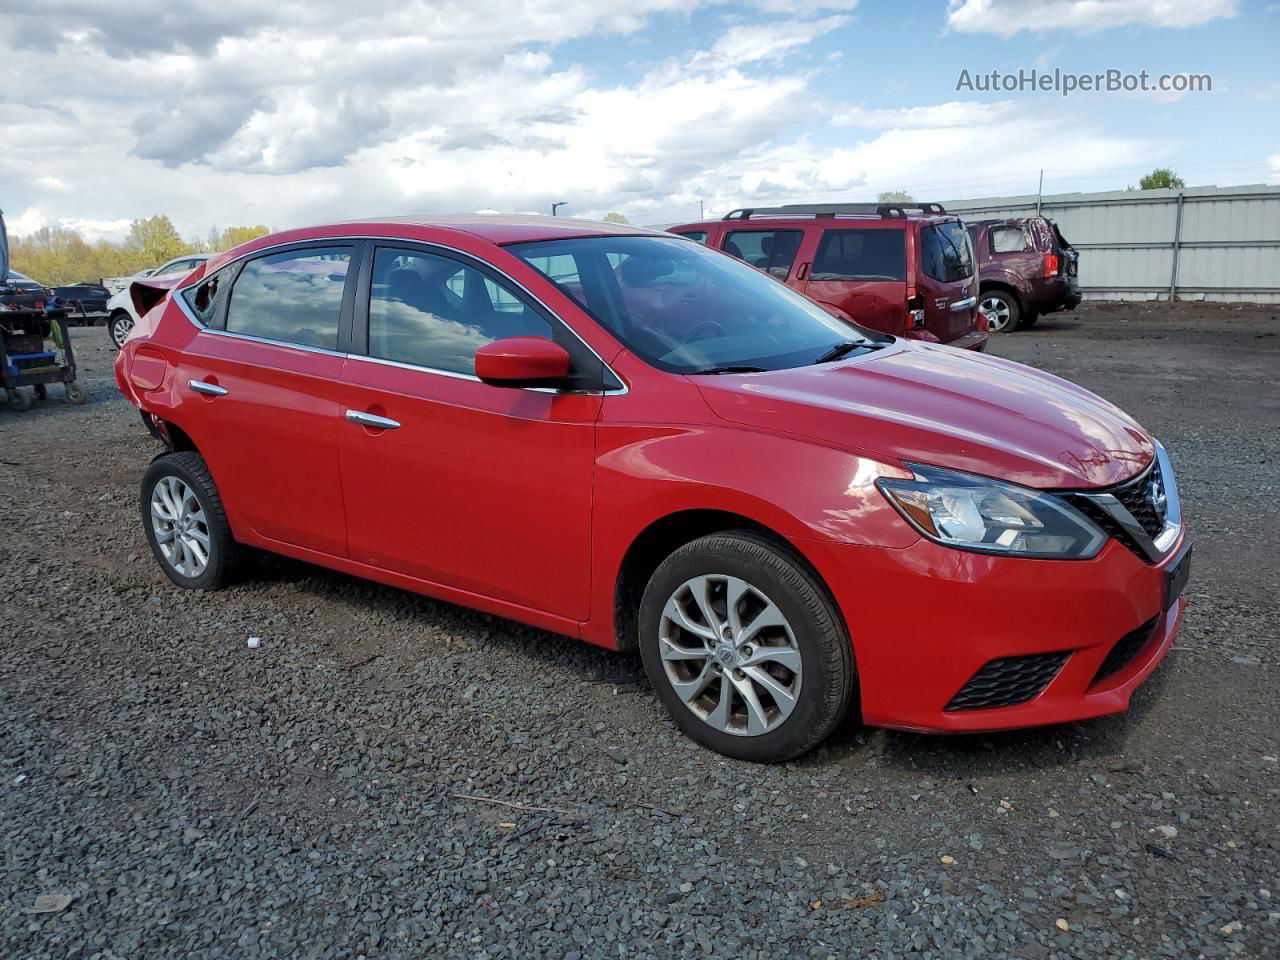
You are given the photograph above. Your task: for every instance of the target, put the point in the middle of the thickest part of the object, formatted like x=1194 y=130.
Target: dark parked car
x=84 y=302
x=1025 y=268
x=884 y=266
x=20 y=292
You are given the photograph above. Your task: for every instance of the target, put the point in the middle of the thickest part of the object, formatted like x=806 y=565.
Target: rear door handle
x=372 y=420
x=211 y=389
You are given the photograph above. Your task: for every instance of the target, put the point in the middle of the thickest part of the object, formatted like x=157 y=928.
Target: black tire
x=18 y=399
x=223 y=553
x=75 y=393
x=118 y=326
x=1007 y=304
x=828 y=678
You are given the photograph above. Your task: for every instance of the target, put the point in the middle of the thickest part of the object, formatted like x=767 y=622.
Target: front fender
x=801 y=490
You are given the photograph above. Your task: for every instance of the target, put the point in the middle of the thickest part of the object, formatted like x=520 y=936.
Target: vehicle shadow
x=974 y=756
x=958 y=756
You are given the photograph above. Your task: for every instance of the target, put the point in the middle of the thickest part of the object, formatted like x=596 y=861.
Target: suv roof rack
x=885 y=210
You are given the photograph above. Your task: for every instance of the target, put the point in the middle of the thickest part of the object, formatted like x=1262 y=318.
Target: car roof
x=512 y=228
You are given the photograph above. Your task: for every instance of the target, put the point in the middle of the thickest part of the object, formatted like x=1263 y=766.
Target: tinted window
x=768 y=250
x=945 y=253
x=699 y=235
x=295 y=297
x=861 y=255
x=203 y=298
x=687 y=309
x=435 y=312
x=1009 y=240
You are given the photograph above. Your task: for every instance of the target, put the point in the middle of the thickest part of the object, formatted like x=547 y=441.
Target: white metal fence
x=1199 y=243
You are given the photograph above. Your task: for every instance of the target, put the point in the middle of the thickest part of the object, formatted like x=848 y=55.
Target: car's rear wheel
x=118 y=327
x=1001 y=310
x=185 y=522
x=745 y=648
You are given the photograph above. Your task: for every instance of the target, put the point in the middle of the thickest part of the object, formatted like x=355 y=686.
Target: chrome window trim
x=263 y=251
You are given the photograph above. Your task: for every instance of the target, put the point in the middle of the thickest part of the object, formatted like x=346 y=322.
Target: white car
x=120 y=307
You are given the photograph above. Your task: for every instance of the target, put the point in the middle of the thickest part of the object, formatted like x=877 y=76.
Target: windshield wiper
x=732 y=368
x=847 y=347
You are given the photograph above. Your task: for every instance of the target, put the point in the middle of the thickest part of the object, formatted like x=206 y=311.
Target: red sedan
x=623 y=436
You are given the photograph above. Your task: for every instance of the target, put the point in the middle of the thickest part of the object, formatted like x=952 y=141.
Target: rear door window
x=945 y=253
x=698 y=235
x=1010 y=239
x=772 y=251
x=861 y=255
x=293 y=297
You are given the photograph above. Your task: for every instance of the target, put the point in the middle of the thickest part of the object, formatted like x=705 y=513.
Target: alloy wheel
x=120 y=328
x=180 y=526
x=997 y=313
x=730 y=655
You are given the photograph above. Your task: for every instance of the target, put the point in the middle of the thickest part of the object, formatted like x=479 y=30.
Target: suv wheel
x=118 y=327
x=1001 y=310
x=745 y=648
x=185 y=523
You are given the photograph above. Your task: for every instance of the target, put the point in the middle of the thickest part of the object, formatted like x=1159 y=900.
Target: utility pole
x=557 y=206
x=701 y=215
x=1039 y=192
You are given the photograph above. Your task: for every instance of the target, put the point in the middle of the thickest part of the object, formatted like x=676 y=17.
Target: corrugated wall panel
x=1230 y=239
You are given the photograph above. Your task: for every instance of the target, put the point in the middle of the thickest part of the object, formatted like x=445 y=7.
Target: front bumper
x=926 y=619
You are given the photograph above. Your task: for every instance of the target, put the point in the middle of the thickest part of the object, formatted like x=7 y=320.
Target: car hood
x=931 y=404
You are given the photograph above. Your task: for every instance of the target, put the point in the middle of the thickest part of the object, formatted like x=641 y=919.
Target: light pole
x=557 y=206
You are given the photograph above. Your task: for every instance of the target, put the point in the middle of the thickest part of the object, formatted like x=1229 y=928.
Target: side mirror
x=522 y=362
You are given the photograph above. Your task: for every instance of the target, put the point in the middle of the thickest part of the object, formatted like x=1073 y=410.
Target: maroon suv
x=908 y=274
x=1026 y=268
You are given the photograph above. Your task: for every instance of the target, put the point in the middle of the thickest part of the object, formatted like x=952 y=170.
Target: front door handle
x=209 y=389
x=372 y=420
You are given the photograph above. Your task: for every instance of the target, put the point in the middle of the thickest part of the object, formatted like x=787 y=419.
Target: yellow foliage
x=58 y=255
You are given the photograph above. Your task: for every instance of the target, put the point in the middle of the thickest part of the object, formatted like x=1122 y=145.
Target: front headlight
x=970 y=512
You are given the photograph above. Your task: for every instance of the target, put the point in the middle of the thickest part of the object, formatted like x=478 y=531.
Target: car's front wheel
x=185 y=522
x=118 y=327
x=745 y=648
x=1001 y=310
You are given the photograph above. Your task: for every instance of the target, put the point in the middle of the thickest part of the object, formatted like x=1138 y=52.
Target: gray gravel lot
x=317 y=797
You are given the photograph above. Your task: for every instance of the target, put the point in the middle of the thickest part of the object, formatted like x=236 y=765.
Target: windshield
x=687 y=309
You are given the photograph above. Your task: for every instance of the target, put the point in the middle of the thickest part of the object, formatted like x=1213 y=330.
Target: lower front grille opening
x=1124 y=651
x=1008 y=681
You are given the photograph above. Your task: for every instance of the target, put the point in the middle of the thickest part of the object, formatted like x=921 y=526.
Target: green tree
x=234 y=236
x=156 y=238
x=615 y=218
x=894 y=196
x=1161 y=178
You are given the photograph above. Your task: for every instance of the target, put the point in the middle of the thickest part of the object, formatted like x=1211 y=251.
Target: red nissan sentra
x=623 y=436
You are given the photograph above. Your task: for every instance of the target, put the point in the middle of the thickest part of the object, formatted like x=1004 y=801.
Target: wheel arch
x=667 y=534
x=1005 y=286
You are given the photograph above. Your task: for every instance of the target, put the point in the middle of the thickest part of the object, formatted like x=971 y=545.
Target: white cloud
x=745 y=43
x=1274 y=162
x=956 y=113
x=1007 y=17
x=243 y=112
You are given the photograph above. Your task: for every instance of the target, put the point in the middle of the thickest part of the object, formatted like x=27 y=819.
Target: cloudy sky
x=288 y=112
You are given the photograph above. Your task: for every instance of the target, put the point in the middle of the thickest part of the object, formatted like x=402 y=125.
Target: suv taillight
x=915 y=309
x=1050 y=264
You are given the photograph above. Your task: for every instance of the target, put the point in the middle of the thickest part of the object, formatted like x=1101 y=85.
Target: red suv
x=874 y=264
x=623 y=436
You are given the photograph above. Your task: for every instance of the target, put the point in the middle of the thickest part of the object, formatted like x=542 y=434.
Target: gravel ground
x=320 y=796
